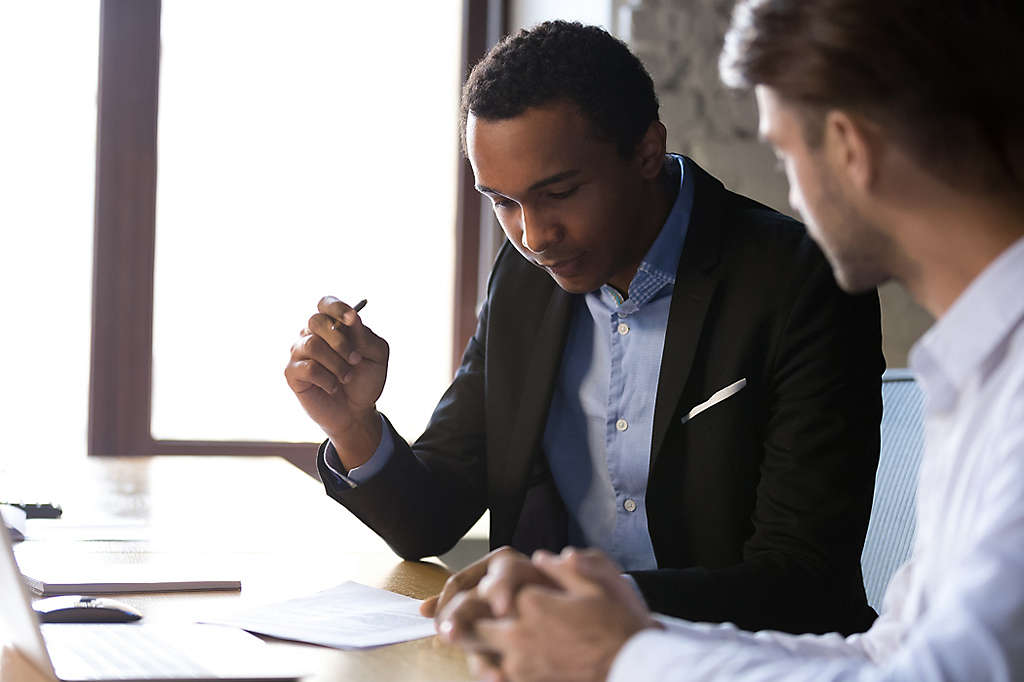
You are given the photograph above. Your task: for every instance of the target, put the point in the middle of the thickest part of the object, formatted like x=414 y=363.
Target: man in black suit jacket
x=757 y=497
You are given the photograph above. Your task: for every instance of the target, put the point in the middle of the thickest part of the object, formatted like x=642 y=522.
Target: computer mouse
x=78 y=609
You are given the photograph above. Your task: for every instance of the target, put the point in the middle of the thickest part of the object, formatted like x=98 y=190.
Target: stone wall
x=679 y=41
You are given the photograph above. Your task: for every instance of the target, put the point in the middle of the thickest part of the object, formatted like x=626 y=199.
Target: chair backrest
x=890 y=535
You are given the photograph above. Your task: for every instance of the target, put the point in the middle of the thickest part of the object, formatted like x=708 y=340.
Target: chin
x=576 y=285
x=855 y=248
x=859 y=279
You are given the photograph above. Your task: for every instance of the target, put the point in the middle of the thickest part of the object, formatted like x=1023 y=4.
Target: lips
x=565 y=267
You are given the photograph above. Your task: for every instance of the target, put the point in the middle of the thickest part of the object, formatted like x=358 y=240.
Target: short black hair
x=564 y=61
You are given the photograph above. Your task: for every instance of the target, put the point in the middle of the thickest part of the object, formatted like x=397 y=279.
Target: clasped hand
x=549 y=617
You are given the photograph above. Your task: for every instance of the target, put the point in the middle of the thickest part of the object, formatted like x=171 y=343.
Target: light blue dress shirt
x=600 y=423
x=601 y=419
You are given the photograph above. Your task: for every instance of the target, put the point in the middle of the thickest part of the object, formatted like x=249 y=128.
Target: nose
x=539 y=234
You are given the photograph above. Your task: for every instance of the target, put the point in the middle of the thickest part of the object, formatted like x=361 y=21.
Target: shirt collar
x=658 y=268
x=988 y=311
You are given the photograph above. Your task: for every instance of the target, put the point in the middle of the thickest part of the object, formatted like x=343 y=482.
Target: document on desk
x=349 y=616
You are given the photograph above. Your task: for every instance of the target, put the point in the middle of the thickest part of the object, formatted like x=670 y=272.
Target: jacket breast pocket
x=717 y=397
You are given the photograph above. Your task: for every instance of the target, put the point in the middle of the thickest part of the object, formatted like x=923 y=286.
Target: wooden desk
x=259 y=518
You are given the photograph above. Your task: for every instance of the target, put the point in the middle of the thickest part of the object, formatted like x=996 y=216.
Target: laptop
x=135 y=652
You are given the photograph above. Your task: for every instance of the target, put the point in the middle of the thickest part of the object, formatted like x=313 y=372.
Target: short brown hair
x=944 y=77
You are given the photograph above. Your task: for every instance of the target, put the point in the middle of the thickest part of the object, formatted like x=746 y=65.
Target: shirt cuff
x=368 y=469
x=644 y=656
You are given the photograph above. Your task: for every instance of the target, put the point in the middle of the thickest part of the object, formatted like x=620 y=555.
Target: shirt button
x=623 y=328
x=622 y=425
x=629 y=505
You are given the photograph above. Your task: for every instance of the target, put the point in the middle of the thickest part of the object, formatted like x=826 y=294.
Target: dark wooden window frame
x=121 y=369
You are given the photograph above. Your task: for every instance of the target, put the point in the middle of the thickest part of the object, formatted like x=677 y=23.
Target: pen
x=357 y=307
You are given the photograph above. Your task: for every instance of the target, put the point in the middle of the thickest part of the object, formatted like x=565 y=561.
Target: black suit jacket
x=757 y=507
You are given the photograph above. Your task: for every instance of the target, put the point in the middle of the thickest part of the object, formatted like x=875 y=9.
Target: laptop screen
x=18 y=624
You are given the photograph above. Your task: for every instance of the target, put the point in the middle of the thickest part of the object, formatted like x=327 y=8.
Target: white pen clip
x=719 y=396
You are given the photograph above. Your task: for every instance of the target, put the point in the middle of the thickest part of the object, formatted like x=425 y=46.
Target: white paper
x=349 y=616
x=103 y=530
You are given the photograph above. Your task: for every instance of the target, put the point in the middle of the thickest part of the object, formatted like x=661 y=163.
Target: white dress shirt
x=955 y=611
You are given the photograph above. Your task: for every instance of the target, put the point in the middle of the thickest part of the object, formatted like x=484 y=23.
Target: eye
x=564 y=195
x=501 y=202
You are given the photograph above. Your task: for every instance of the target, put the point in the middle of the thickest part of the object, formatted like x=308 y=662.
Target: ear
x=850 y=149
x=650 y=151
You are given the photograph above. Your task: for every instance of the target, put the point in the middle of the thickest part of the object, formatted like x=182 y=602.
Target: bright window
x=305 y=148
x=48 y=73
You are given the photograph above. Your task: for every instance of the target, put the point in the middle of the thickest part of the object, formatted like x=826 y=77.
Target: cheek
x=510 y=223
x=512 y=227
x=802 y=191
x=598 y=223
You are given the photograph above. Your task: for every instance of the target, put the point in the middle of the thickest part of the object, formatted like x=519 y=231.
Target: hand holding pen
x=337 y=371
x=356 y=308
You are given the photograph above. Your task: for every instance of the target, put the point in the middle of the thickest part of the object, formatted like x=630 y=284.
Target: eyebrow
x=550 y=180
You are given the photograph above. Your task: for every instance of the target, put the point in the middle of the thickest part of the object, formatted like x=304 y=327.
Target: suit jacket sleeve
x=800 y=568
x=428 y=495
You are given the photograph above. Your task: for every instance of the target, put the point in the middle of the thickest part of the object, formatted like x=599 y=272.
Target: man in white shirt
x=900 y=126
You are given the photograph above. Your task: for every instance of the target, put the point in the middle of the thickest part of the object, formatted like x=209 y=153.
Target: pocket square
x=717 y=397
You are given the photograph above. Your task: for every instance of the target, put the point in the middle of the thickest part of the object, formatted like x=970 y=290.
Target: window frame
x=121 y=357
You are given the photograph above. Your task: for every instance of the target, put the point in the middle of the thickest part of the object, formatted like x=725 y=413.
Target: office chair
x=890 y=535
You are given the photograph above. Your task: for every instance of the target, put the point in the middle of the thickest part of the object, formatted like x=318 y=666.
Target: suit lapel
x=694 y=287
x=509 y=472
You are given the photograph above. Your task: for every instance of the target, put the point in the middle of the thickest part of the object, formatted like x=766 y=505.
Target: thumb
x=428 y=607
x=600 y=569
x=565 y=573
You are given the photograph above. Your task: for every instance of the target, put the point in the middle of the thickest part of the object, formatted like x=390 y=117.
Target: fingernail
x=345 y=379
x=446 y=630
x=354 y=357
